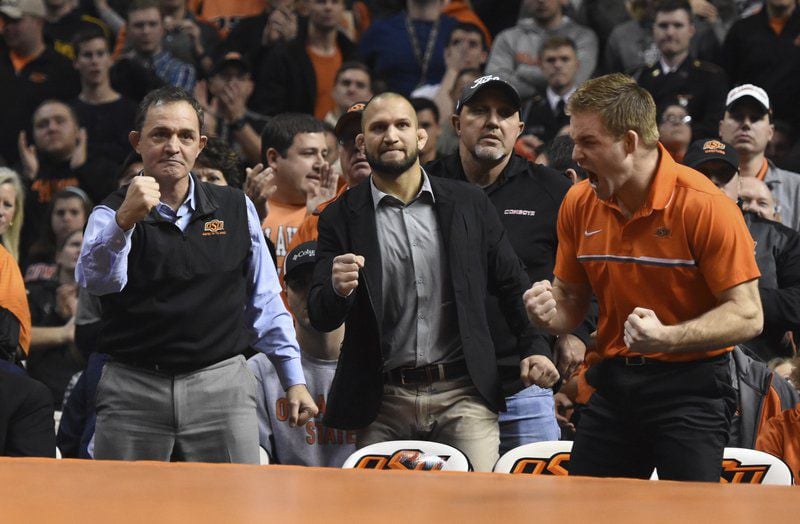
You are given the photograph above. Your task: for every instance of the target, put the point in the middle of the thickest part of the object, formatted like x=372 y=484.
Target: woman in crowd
x=12 y=200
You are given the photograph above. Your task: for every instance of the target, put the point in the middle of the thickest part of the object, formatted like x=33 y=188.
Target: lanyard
x=423 y=60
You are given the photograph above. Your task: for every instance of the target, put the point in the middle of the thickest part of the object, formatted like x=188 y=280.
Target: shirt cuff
x=290 y=372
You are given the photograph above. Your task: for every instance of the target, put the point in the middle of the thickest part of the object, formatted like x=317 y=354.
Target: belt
x=167 y=369
x=426 y=374
x=642 y=360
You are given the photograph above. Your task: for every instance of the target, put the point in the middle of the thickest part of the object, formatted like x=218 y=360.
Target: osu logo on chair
x=558 y=464
x=734 y=472
x=404 y=459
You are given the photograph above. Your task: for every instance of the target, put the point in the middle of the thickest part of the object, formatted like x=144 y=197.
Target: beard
x=488 y=153
x=393 y=168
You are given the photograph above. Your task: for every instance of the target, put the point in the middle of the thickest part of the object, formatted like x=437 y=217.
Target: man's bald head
x=757 y=198
x=383 y=99
x=390 y=135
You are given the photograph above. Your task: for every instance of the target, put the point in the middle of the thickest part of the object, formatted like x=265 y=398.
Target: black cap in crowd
x=304 y=255
x=701 y=151
x=479 y=84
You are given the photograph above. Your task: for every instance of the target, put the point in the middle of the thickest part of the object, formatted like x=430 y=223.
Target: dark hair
x=90 y=32
x=43 y=248
x=468 y=27
x=166 y=95
x=218 y=155
x=668 y=6
x=421 y=104
x=132 y=158
x=555 y=42
x=73 y=114
x=353 y=64
x=280 y=130
x=141 y=5
x=559 y=155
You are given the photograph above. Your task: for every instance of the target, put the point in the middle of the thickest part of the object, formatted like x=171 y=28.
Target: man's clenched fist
x=540 y=304
x=345 y=273
x=143 y=195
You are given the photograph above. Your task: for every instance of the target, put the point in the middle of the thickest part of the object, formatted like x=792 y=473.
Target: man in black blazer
x=406 y=261
x=26 y=415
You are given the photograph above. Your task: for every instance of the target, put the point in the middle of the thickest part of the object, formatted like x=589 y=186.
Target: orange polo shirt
x=686 y=242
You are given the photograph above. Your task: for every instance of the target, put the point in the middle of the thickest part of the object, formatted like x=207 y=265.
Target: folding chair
x=550 y=457
x=416 y=455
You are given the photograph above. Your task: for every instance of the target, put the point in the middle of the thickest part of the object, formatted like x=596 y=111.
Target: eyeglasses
x=675 y=119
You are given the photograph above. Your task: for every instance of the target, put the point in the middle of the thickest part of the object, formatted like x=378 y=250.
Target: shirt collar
x=665 y=69
x=662 y=188
x=553 y=98
x=378 y=195
x=186 y=208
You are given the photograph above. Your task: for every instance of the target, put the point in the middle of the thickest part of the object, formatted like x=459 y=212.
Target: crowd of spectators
x=282 y=85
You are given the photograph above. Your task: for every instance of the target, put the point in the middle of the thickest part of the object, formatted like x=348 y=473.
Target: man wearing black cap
x=230 y=87
x=406 y=260
x=311 y=444
x=527 y=197
x=777 y=250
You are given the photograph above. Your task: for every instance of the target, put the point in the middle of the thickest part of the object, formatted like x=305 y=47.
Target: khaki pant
x=450 y=412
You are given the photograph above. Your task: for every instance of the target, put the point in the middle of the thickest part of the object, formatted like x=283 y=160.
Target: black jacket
x=701 y=87
x=480 y=258
x=753 y=382
x=26 y=416
x=286 y=77
x=527 y=198
x=778 y=259
x=540 y=119
x=753 y=53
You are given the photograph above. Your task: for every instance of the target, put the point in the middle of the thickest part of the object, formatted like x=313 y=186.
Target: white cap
x=748 y=90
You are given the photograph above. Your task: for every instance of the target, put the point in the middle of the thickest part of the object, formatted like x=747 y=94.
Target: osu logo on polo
x=734 y=472
x=214 y=227
x=406 y=459
x=557 y=464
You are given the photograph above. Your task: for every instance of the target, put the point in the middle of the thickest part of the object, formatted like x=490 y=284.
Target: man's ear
x=361 y=142
x=631 y=140
x=272 y=157
x=203 y=142
x=422 y=138
x=456 y=120
x=133 y=138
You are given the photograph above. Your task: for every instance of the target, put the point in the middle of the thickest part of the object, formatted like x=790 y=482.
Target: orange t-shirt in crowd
x=308 y=229
x=281 y=224
x=13 y=296
x=779 y=437
x=325 y=68
x=687 y=242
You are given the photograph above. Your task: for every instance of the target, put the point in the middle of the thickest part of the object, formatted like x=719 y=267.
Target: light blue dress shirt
x=103 y=268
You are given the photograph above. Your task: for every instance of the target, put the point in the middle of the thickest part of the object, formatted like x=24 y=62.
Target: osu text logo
x=405 y=459
x=214 y=227
x=734 y=472
x=558 y=464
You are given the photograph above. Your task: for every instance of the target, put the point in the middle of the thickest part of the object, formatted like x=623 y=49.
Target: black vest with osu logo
x=183 y=305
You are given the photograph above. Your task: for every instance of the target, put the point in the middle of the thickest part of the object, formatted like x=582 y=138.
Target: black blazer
x=481 y=259
x=27 y=428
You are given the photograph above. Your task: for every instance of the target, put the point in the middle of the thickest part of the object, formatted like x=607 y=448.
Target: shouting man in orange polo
x=672 y=265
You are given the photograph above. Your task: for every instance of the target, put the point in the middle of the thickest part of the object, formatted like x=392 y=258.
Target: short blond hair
x=11 y=237
x=622 y=105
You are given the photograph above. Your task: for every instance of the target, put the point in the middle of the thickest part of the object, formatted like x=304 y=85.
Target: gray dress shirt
x=419 y=324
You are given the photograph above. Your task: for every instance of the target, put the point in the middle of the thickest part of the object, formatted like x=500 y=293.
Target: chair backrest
x=748 y=466
x=263 y=456
x=550 y=457
x=419 y=455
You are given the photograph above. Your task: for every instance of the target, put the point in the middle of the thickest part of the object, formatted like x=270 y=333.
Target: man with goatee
x=405 y=262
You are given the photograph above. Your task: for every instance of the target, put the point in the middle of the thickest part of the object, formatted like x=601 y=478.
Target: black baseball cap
x=302 y=256
x=231 y=58
x=353 y=114
x=479 y=84
x=702 y=151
